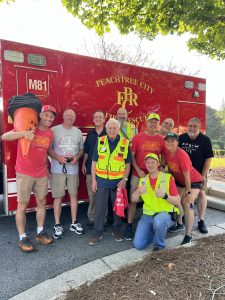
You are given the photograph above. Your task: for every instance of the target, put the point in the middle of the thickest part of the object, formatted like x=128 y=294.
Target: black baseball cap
x=172 y=135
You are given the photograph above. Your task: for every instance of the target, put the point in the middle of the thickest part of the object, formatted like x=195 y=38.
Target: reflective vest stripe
x=98 y=172
x=118 y=158
x=101 y=156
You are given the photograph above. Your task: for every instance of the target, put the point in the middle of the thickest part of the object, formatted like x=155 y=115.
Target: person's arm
x=93 y=177
x=136 y=167
x=77 y=157
x=84 y=169
x=139 y=191
x=61 y=159
x=187 y=180
x=123 y=181
x=15 y=135
x=206 y=167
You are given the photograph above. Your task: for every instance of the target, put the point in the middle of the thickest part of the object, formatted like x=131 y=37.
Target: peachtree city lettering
x=123 y=79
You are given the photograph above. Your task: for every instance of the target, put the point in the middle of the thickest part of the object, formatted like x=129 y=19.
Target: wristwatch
x=165 y=196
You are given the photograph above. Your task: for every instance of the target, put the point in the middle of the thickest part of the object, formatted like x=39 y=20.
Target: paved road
x=20 y=271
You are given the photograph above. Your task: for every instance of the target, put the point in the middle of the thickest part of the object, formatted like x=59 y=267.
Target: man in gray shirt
x=67 y=149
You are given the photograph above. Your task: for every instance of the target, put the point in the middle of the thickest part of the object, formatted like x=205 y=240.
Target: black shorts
x=194 y=185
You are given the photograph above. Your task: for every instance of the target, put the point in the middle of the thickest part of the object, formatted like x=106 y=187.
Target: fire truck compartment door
x=42 y=83
x=188 y=110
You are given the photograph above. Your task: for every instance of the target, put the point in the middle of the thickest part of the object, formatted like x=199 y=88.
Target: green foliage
x=221 y=112
x=204 y=20
x=7 y=1
x=218 y=144
x=214 y=127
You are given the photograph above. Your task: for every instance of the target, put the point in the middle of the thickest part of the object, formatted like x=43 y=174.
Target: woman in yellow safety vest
x=161 y=203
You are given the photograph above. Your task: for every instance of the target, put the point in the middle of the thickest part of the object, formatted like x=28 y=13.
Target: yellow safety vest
x=111 y=165
x=130 y=131
x=152 y=204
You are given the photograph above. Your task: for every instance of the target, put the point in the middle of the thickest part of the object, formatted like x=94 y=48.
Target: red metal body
x=85 y=84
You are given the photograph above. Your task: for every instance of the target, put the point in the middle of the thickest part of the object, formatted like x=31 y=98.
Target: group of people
x=166 y=171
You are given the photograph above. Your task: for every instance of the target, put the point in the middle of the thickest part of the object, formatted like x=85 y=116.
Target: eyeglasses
x=167 y=123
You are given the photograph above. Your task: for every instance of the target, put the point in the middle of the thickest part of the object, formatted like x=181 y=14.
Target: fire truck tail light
x=189 y=84
x=13 y=56
x=201 y=86
x=36 y=60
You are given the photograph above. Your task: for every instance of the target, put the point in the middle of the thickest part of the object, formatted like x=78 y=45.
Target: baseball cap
x=154 y=116
x=152 y=155
x=172 y=135
x=48 y=108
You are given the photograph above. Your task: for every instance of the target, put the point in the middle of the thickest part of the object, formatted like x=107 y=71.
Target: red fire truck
x=85 y=84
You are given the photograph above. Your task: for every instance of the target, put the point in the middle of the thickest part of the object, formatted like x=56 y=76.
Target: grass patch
x=217 y=162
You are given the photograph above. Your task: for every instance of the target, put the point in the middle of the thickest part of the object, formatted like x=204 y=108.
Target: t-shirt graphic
x=69 y=145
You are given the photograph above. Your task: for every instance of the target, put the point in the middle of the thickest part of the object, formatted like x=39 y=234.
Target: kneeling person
x=161 y=200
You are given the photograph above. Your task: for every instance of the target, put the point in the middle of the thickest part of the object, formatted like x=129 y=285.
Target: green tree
x=214 y=127
x=221 y=112
x=204 y=20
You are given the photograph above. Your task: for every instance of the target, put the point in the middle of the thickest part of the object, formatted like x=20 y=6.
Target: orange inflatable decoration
x=25 y=118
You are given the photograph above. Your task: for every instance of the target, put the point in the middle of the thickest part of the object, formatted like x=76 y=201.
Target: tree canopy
x=204 y=20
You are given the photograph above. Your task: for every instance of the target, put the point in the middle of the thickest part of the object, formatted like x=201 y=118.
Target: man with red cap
x=32 y=176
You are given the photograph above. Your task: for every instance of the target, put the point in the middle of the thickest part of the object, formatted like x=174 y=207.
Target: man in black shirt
x=89 y=144
x=199 y=148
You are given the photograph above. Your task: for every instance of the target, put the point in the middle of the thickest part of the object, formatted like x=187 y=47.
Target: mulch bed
x=196 y=273
x=217 y=174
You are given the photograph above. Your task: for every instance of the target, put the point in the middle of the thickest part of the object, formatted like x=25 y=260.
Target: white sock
x=39 y=229
x=21 y=236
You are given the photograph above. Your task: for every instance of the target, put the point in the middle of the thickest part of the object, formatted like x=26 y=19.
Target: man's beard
x=192 y=135
x=122 y=122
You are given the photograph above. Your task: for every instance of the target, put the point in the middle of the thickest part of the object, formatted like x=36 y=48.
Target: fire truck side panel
x=85 y=84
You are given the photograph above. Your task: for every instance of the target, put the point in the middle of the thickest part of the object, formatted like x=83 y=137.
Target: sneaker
x=95 y=240
x=58 y=231
x=187 y=239
x=90 y=225
x=43 y=238
x=118 y=235
x=157 y=249
x=128 y=234
x=202 y=227
x=76 y=227
x=25 y=245
x=176 y=228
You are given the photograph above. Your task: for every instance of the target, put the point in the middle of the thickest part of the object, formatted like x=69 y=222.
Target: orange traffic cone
x=25 y=119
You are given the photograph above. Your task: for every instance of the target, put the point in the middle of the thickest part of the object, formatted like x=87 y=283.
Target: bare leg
x=131 y=212
x=73 y=207
x=202 y=204
x=57 y=209
x=41 y=211
x=188 y=210
x=21 y=217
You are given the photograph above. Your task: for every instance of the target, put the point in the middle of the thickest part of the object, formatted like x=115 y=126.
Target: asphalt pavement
x=21 y=271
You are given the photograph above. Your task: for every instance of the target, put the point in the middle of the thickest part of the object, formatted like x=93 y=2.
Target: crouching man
x=161 y=202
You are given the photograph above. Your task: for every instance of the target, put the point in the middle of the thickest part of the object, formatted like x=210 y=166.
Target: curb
x=55 y=288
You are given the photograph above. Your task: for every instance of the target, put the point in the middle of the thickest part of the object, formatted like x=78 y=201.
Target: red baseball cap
x=48 y=108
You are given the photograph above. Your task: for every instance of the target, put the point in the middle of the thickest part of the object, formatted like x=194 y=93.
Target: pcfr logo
x=127 y=97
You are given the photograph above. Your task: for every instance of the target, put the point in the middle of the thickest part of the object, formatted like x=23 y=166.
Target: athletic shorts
x=59 y=183
x=194 y=185
x=27 y=184
x=134 y=185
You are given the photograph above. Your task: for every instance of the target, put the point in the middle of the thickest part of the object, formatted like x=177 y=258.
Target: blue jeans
x=152 y=229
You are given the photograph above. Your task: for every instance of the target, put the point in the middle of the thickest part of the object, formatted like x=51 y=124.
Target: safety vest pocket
x=102 y=166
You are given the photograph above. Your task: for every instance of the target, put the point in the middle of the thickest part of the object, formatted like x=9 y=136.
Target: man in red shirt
x=187 y=178
x=32 y=176
x=142 y=144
